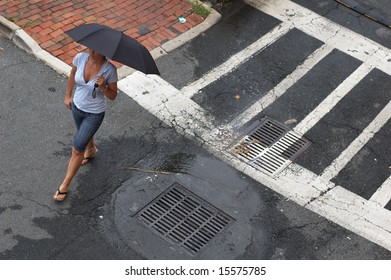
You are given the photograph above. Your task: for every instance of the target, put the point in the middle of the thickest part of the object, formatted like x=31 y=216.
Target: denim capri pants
x=87 y=124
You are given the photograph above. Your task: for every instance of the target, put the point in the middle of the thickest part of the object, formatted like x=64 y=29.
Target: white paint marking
x=340 y=162
x=332 y=99
x=327 y=31
x=235 y=60
x=383 y=195
x=355 y=214
x=168 y=104
x=282 y=87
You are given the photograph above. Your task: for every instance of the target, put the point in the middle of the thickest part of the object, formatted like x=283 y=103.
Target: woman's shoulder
x=112 y=72
x=111 y=65
x=80 y=57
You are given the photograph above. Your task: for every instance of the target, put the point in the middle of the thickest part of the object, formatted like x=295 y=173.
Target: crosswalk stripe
x=333 y=98
x=282 y=87
x=383 y=194
x=327 y=31
x=235 y=60
x=340 y=162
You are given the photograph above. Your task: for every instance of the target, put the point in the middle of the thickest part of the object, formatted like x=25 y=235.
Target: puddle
x=178 y=163
x=16 y=207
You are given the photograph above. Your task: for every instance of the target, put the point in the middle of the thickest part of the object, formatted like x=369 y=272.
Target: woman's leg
x=87 y=125
x=90 y=151
x=90 y=147
x=73 y=167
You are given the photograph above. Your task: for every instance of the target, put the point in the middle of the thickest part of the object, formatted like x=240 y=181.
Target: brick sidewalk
x=151 y=22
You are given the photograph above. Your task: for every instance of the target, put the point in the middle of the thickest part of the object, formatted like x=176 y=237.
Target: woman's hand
x=68 y=101
x=100 y=81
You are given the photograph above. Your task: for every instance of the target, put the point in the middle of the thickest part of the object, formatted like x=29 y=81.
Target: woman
x=95 y=79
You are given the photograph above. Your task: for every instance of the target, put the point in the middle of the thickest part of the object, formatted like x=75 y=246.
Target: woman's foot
x=88 y=155
x=60 y=195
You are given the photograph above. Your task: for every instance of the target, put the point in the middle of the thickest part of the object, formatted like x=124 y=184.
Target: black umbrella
x=115 y=45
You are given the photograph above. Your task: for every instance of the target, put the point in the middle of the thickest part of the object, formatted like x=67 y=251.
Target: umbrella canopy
x=115 y=45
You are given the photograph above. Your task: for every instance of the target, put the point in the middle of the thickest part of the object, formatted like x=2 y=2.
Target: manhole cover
x=270 y=147
x=183 y=218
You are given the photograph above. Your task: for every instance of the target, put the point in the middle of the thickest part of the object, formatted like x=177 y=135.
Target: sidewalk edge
x=24 y=41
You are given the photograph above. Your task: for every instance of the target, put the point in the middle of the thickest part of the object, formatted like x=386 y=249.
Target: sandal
x=58 y=192
x=87 y=159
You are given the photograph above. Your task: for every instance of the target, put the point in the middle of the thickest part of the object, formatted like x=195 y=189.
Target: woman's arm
x=111 y=91
x=70 y=86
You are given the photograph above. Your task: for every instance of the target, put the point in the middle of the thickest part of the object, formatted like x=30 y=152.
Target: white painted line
x=340 y=162
x=355 y=214
x=282 y=87
x=383 y=194
x=168 y=104
x=327 y=31
x=235 y=60
x=332 y=99
x=294 y=183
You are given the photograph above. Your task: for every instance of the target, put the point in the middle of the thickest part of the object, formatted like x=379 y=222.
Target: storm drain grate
x=270 y=147
x=184 y=219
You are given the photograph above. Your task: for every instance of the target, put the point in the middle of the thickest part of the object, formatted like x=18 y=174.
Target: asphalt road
x=100 y=218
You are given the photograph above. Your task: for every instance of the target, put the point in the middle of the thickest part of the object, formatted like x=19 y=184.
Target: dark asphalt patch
x=372 y=159
x=76 y=238
x=388 y=206
x=337 y=129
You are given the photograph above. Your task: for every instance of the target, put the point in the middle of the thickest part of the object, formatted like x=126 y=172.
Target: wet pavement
x=377 y=10
x=354 y=20
x=99 y=218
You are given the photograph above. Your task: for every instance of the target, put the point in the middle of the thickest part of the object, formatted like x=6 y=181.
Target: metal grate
x=270 y=147
x=184 y=219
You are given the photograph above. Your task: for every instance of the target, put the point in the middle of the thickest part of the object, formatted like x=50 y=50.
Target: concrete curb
x=21 y=39
x=7 y=28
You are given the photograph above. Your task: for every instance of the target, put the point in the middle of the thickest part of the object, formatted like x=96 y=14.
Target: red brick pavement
x=151 y=22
